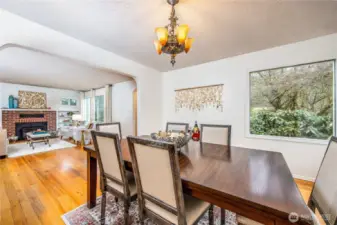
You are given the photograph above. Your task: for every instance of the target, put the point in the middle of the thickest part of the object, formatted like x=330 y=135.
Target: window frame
x=292 y=139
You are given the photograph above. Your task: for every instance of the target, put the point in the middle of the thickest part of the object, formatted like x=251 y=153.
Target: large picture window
x=295 y=101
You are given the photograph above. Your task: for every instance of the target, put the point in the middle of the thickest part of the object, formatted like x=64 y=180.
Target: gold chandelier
x=172 y=39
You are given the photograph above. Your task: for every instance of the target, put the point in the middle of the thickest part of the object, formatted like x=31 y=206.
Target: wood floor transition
x=38 y=189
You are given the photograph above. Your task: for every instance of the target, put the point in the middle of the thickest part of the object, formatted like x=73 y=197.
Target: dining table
x=253 y=183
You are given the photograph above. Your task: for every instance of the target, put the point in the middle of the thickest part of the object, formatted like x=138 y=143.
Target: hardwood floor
x=38 y=189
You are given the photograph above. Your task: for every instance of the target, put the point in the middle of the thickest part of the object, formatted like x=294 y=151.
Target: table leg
x=92 y=180
x=223 y=217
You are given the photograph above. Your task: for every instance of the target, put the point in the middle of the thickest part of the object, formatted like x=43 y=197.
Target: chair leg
x=210 y=215
x=140 y=213
x=223 y=217
x=103 y=205
x=116 y=199
x=126 y=211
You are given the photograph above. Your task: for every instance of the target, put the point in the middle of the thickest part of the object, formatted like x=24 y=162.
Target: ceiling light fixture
x=172 y=39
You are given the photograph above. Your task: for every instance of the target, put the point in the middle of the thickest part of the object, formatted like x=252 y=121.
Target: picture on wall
x=64 y=101
x=73 y=102
x=32 y=100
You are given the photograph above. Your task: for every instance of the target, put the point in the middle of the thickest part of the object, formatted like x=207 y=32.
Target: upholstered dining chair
x=114 y=178
x=324 y=193
x=170 y=126
x=215 y=134
x=160 y=196
x=114 y=127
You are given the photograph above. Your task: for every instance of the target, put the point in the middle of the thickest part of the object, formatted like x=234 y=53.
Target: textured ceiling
x=221 y=28
x=22 y=66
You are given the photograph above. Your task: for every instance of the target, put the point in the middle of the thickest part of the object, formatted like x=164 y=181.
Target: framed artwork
x=64 y=101
x=73 y=102
x=32 y=100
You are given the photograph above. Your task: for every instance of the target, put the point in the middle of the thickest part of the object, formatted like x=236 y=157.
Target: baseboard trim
x=3 y=156
x=312 y=179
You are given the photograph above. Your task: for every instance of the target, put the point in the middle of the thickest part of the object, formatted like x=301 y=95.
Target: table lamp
x=77 y=118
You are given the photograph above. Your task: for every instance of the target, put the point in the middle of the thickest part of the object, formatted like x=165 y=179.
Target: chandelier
x=172 y=39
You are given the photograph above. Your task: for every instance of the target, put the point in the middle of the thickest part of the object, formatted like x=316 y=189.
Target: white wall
x=53 y=95
x=302 y=158
x=122 y=106
x=17 y=30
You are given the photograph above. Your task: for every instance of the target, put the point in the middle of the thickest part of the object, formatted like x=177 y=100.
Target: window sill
x=289 y=139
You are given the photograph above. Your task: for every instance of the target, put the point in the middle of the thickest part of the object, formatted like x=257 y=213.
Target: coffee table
x=37 y=137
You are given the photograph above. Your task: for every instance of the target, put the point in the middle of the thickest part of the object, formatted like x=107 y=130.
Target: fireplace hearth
x=22 y=128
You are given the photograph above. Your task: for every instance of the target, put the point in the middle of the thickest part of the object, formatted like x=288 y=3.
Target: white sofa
x=66 y=132
x=3 y=143
x=76 y=133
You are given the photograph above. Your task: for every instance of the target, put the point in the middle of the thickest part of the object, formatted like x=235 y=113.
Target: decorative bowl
x=180 y=139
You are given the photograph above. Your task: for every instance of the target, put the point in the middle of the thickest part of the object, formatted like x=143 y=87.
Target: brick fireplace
x=10 y=119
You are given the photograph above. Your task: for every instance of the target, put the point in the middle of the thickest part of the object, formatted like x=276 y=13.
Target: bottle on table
x=196 y=132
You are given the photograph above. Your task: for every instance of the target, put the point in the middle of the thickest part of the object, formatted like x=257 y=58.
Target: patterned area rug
x=114 y=214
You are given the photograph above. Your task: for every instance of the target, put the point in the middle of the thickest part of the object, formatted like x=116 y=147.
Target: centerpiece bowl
x=179 y=138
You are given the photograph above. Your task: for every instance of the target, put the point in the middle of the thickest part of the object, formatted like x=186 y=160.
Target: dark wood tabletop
x=253 y=183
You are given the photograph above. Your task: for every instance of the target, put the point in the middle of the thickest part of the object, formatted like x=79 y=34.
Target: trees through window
x=294 y=101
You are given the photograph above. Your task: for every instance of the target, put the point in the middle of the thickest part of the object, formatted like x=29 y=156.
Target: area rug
x=21 y=149
x=114 y=214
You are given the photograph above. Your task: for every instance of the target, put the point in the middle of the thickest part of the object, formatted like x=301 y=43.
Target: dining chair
x=324 y=193
x=114 y=127
x=114 y=178
x=160 y=196
x=323 y=196
x=215 y=134
x=170 y=126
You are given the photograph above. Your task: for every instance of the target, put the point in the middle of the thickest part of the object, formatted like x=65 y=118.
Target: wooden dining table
x=253 y=183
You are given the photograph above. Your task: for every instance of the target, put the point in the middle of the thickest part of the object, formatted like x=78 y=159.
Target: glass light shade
x=162 y=35
x=182 y=33
x=188 y=44
x=158 y=47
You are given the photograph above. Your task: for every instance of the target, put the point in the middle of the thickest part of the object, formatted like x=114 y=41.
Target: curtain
x=108 y=104
x=92 y=105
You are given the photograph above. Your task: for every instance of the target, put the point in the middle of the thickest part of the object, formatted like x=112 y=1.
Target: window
x=86 y=109
x=99 y=109
x=295 y=101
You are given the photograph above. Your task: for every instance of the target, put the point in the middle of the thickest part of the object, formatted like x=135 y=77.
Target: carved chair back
x=176 y=127
x=215 y=134
x=156 y=169
x=114 y=127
